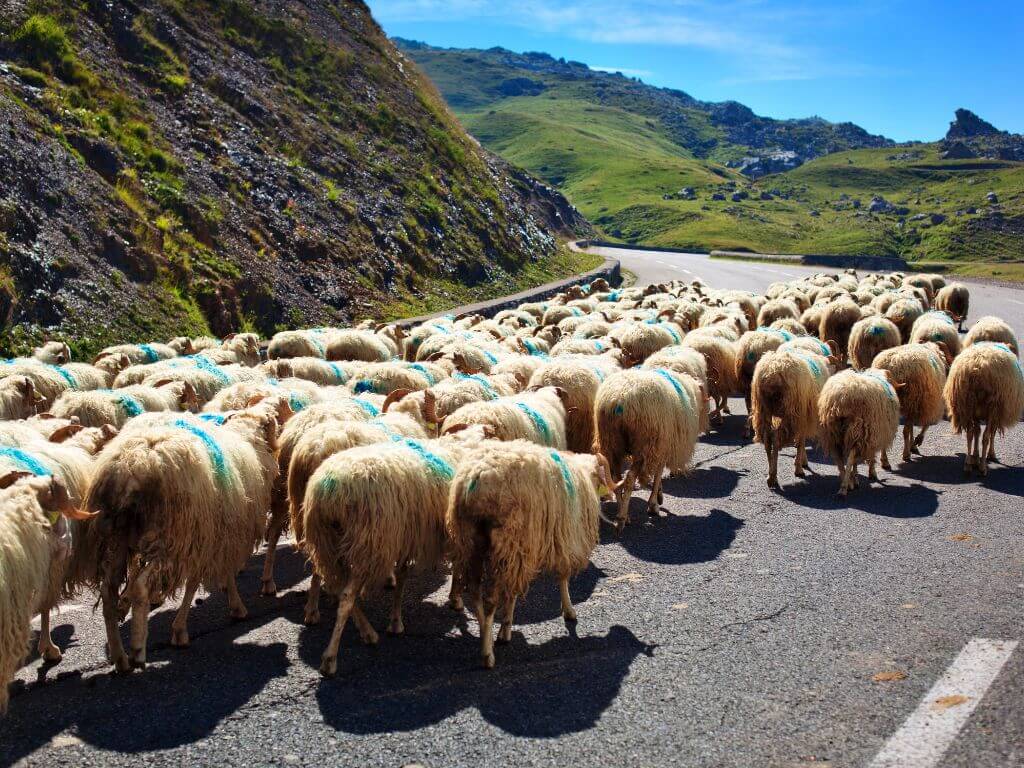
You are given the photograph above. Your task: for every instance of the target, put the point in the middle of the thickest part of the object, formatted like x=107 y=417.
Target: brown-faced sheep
x=868 y=337
x=53 y=353
x=516 y=511
x=992 y=329
x=858 y=416
x=784 y=405
x=651 y=416
x=985 y=388
x=919 y=371
x=18 y=398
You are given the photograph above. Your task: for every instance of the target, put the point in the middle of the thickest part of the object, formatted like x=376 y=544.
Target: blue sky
x=899 y=68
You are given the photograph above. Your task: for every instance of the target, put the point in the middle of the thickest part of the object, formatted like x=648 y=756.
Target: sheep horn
x=430 y=407
x=393 y=398
x=65 y=432
x=12 y=477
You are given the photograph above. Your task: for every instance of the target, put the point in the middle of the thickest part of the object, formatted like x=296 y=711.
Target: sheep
x=784 y=405
x=858 y=416
x=837 y=322
x=364 y=346
x=752 y=346
x=810 y=344
x=920 y=372
x=954 y=299
x=720 y=355
x=516 y=510
x=139 y=354
x=904 y=313
x=183 y=345
x=53 y=353
x=985 y=387
x=992 y=329
x=937 y=327
x=288 y=344
x=810 y=318
x=115 y=407
x=385 y=378
x=179 y=504
x=299 y=393
x=49 y=381
x=922 y=283
x=433 y=406
x=33 y=535
x=868 y=337
x=101 y=376
x=790 y=326
x=538 y=416
x=651 y=416
x=641 y=340
x=777 y=309
x=326 y=373
x=375 y=511
x=18 y=398
x=580 y=381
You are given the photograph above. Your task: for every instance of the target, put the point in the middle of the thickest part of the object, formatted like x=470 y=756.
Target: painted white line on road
x=1016 y=302
x=926 y=735
x=687 y=271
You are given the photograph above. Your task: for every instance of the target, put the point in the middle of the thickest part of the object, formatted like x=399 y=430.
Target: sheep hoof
x=121 y=665
x=456 y=604
x=51 y=653
x=312 y=618
x=329 y=666
x=370 y=637
x=505 y=634
x=916 y=450
x=983 y=468
x=396 y=627
x=269 y=589
x=487 y=661
x=569 y=615
x=774 y=484
x=180 y=638
x=239 y=614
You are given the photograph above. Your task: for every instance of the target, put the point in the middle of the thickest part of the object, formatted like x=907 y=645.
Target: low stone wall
x=610 y=271
x=875 y=263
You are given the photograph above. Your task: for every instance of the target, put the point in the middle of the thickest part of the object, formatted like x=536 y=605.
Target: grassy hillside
x=619 y=148
x=204 y=166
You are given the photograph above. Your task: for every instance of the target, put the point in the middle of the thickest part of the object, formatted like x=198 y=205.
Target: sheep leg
x=47 y=648
x=919 y=440
x=908 y=441
x=800 y=462
x=872 y=471
x=991 y=453
x=140 y=615
x=396 y=627
x=485 y=610
x=625 y=492
x=115 y=647
x=568 y=612
x=278 y=520
x=346 y=602
x=983 y=450
x=725 y=405
x=654 y=501
x=366 y=631
x=748 y=426
x=772 y=449
x=179 y=627
x=972 y=436
x=313 y=601
x=458 y=587
x=236 y=608
x=505 y=632
x=885 y=461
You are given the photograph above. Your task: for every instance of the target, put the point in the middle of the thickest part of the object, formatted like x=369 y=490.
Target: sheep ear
x=164 y=383
x=489 y=431
x=109 y=432
x=6 y=481
x=285 y=370
x=833 y=347
x=393 y=398
x=62 y=434
x=99 y=357
x=188 y=396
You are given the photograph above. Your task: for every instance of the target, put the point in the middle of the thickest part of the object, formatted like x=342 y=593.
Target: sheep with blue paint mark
x=431 y=407
x=868 y=338
x=18 y=398
x=784 y=404
x=377 y=511
x=385 y=378
x=777 y=309
x=904 y=312
x=287 y=344
x=752 y=346
x=580 y=381
x=178 y=505
x=955 y=300
x=992 y=329
x=937 y=327
x=140 y=354
x=326 y=373
x=651 y=419
x=919 y=371
x=858 y=417
x=517 y=510
x=720 y=355
x=984 y=395
x=100 y=407
x=639 y=341
x=538 y=416
x=34 y=513
x=357 y=346
x=837 y=321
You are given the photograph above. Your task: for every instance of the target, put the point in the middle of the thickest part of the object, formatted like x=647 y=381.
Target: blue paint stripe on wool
x=675 y=334
x=484 y=383
x=435 y=463
x=298 y=401
x=940 y=316
x=538 y=422
x=492 y=358
x=66 y=375
x=214 y=418
x=206 y=365
x=338 y=373
x=25 y=460
x=884 y=381
x=363 y=386
x=151 y=354
x=812 y=364
x=419 y=368
x=367 y=406
x=217 y=458
x=570 y=488
x=129 y=405
x=442 y=329
x=877 y=330
x=599 y=373
x=683 y=397
x=599 y=346
x=388 y=431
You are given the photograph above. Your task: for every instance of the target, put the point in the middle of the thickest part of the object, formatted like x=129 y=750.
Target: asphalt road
x=743 y=628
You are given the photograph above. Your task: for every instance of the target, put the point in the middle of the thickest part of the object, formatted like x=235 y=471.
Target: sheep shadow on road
x=541 y=690
x=949 y=470
x=678 y=539
x=714 y=482
x=890 y=498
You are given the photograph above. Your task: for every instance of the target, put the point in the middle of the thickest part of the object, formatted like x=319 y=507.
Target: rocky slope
x=969 y=137
x=173 y=166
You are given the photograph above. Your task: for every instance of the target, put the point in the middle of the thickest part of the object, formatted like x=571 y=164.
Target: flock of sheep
x=487 y=445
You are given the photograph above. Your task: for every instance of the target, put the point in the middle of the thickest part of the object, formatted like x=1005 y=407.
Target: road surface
x=743 y=628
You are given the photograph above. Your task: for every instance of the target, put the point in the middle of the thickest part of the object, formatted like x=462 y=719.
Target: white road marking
x=930 y=730
x=1016 y=302
x=687 y=271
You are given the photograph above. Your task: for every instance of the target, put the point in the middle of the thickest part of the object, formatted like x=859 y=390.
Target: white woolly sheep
x=115 y=407
x=53 y=353
x=538 y=416
x=837 y=321
x=326 y=373
x=992 y=329
x=288 y=344
x=517 y=510
x=919 y=371
x=858 y=416
x=720 y=356
x=937 y=327
x=868 y=337
x=140 y=354
x=985 y=388
x=580 y=381
x=904 y=313
x=353 y=345
x=18 y=398
x=955 y=300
